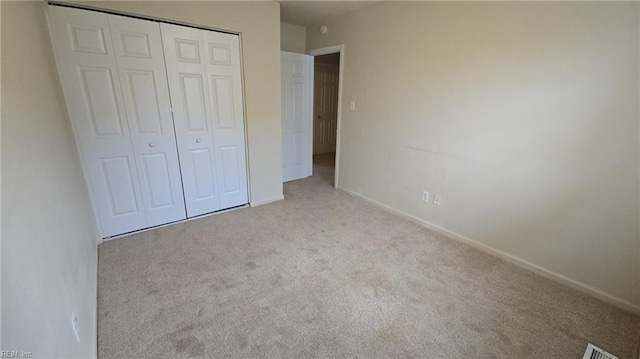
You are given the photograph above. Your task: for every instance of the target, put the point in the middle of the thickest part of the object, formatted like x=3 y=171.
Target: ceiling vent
x=593 y=352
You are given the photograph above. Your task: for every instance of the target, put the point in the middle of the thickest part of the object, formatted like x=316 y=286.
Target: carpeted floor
x=325 y=160
x=325 y=275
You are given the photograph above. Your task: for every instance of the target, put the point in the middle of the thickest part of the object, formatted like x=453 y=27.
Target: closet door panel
x=230 y=170
x=91 y=86
x=118 y=179
x=201 y=160
x=223 y=69
x=140 y=59
x=189 y=88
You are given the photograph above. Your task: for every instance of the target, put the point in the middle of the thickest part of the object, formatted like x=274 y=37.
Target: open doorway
x=328 y=69
x=325 y=109
x=326 y=79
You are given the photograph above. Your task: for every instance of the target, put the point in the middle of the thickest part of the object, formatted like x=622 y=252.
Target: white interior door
x=204 y=81
x=140 y=60
x=189 y=88
x=94 y=100
x=325 y=108
x=225 y=91
x=296 y=102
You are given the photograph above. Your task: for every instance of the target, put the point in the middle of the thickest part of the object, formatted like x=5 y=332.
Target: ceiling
x=306 y=13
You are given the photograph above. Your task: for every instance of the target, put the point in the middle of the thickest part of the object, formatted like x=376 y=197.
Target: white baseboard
x=265 y=201
x=174 y=222
x=582 y=287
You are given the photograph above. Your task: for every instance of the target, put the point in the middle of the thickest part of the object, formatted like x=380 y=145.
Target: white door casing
x=94 y=100
x=325 y=108
x=296 y=110
x=140 y=60
x=206 y=95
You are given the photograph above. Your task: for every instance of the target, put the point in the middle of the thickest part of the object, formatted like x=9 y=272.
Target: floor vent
x=593 y=352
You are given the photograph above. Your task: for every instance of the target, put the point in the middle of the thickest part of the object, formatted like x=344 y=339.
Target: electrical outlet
x=74 y=325
x=425 y=196
x=437 y=198
x=352 y=106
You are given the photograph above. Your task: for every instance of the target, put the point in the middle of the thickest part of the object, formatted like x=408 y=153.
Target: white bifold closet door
x=147 y=164
x=206 y=93
x=143 y=78
x=113 y=75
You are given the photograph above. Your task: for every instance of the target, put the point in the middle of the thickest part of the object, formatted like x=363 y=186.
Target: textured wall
x=293 y=38
x=49 y=237
x=523 y=116
x=48 y=231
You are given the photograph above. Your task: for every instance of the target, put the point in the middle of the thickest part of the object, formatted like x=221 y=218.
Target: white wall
x=49 y=256
x=293 y=38
x=523 y=116
x=259 y=25
x=49 y=238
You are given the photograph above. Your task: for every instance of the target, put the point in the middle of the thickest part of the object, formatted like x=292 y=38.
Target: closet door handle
x=152 y=144
x=198 y=140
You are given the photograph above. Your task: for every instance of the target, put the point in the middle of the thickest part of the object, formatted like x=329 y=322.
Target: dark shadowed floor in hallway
x=325 y=160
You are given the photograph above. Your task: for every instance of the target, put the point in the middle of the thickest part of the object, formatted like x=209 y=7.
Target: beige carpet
x=326 y=160
x=325 y=275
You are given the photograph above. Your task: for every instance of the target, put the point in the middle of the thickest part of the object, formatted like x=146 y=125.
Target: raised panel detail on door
x=188 y=51
x=222 y=88
x=223 y=68
x=157 y=171
x=120 y=184
x=298 y=116
x=157 y=113
x=140 y=59
x=187 y=73
x=299 y=141
x=193 y=98
x=146 y=110
x=231 y=182
x=220 y=54
x=100 y=101
x=92 y=89
x=87 y=38
x=298 y=68
x=205 y=187
x=135 y=45
x=296 y=102
x=298 y=92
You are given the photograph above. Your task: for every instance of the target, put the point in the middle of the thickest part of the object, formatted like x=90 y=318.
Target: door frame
x=325 y=51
